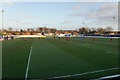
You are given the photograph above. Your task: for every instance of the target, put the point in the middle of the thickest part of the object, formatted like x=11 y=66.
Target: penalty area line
x=28 y=64
x=108 y=77
x=84 y=73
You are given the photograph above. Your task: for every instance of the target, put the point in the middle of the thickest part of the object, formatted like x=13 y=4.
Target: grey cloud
x=76 y=14
x=105 y=11
x=76 y=7
x=26 y=23
x=66 y=22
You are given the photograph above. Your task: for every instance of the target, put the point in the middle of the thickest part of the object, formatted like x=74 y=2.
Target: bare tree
x=108 y=29
x=83 y=30
x=45 y=29
x=53 y=30
x=31 y=29
x=21 y=30
x=101 y=30
x=5 y=30
x=28 y=29
x=40 y=29
x=10 y=29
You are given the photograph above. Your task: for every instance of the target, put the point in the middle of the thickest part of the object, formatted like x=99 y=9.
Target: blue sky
x=60 y=15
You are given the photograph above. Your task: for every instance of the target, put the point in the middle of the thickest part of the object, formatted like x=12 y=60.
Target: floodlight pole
x=2 y=19
x=83 y=24
x=17 y=25
x=113 y=22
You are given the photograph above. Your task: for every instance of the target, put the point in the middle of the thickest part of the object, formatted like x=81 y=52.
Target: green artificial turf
x=57 y=57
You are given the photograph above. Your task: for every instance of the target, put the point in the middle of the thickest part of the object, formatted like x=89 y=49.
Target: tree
x=1 y=33
x=5 y=30
x=53 y=30
x=31 y=29
x=10 y=29
x=101 y=30
x=21 y=30
x=28 y=29
x=93 y=29
x=40 y=29
x=83 y=30
x=108 y=29
x=45 y=29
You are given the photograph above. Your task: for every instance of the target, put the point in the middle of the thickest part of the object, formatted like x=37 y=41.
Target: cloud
x=64 y=0
x=29 y=17
x=108 y=18
x=76 y=14
x=103 y=16
x=108 y=7
x=25 y=23
x=66 y=22
x=12 y=19
x=104 y=11
x=23 y=15
x=76 y=7
x=97 y=0
x=8 y=3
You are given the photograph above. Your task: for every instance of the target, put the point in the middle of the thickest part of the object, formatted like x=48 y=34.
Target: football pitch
x=53 y=58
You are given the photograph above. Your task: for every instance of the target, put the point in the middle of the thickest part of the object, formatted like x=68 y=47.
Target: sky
x=60 y=15
x=61 y=0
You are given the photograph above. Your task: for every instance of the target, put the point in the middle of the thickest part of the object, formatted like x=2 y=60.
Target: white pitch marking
x=107 y=77
x=26 y=75
x=84 y=73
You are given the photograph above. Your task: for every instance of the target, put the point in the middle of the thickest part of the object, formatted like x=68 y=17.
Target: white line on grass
x=107 y=77
x=84 y=73
x=26 y=75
